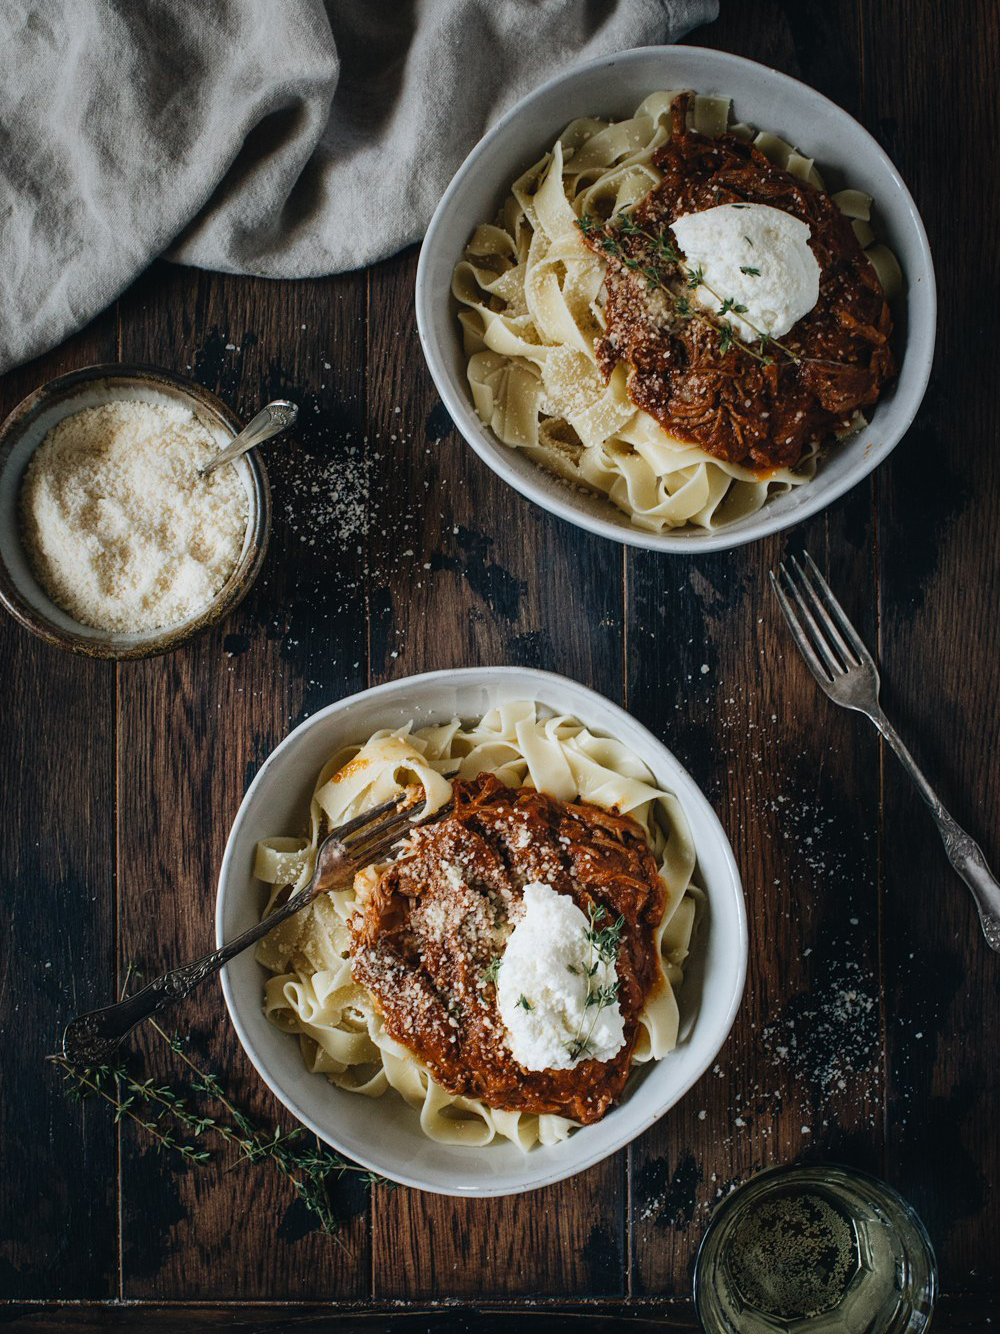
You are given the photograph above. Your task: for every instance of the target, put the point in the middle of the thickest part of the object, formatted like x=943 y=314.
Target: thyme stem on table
x=94 y=1079
x=176 y=1125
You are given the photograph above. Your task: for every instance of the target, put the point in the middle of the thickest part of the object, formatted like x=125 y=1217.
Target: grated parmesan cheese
x=120 y=530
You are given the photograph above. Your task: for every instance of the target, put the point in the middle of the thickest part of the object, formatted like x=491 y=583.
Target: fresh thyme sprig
x=602 y=948
x=306 y=1166
x=167 y=1116
x=605 y=940
x=492 y=970
x=664 y=252
x=94 y=1080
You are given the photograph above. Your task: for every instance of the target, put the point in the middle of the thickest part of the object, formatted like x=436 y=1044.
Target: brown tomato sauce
x=726 y=399
x=437 y=917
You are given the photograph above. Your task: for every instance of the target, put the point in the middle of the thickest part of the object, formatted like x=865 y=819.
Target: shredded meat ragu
x=435 y=919
x=728 y=402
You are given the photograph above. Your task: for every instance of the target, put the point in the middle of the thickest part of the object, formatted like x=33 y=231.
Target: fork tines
x=392 y=814
x=824 y=635
x=370 y=835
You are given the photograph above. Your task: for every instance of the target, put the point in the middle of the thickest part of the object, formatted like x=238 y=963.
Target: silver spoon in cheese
x=273 y=418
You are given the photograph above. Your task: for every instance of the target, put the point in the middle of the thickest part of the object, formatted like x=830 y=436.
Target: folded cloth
x=285 y=138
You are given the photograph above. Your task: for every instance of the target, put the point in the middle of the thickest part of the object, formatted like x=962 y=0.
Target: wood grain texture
x=57 y=1204
x=954 y=1315
x=939 y=560
x=483 y=580
x=795 y=784
x=872 y=1010
x=664 y=1318
x=194 y=728
x=463 y=570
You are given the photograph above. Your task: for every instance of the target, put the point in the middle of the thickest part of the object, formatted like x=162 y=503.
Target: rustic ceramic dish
x=613 y=86
x=384 y=1133
x=23 y=432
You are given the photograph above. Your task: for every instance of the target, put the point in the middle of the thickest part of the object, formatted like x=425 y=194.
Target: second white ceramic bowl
x=613 y=86
x=384 y=1134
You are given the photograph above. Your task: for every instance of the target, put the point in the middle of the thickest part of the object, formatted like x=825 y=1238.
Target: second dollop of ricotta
x=543 y=985
x=755 y=256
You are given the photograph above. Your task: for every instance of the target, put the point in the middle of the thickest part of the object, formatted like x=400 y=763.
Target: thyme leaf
x=603 y=942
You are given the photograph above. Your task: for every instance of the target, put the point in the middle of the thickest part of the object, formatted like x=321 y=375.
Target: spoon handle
x=272 y=418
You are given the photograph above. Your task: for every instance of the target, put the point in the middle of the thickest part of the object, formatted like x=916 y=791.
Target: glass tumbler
x=815 y=1250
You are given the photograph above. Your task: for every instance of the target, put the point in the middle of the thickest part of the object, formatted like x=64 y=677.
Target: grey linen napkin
x=285 y=138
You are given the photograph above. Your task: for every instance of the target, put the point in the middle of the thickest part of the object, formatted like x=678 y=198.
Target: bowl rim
x=491 y=450
x=237 y=586
x=691 y=797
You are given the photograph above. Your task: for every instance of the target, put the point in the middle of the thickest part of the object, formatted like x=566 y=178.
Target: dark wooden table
x=871 y=1020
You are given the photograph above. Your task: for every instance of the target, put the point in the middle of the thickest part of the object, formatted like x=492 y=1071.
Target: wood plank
x=954 y=1315
x=711 y=669
x=940 y=578
x=491 y=579
x=194 y=727
x=463 y=571
x=57 y=1215
x=606 y=1318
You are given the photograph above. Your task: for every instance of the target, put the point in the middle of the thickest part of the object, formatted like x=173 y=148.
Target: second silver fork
x=840 y=662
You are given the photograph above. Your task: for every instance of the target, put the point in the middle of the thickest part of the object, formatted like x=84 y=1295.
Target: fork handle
x=962 y=850
x=91 y=1038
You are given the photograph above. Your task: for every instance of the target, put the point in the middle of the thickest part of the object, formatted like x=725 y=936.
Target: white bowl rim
x=765 y=522
x=692 y=795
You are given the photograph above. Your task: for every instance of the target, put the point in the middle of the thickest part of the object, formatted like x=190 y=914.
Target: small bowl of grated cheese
x=112 y=544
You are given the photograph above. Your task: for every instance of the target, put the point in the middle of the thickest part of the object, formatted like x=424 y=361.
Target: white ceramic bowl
x=384 y=1134
x=613 y=86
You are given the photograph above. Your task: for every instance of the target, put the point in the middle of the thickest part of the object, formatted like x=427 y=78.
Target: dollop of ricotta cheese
x=543 y=985
x=755 y=256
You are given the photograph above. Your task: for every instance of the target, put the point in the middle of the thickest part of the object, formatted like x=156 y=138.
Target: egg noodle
x=312 y=992
x=531 y=313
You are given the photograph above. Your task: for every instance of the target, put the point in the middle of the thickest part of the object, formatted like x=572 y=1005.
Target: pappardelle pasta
x=545 y=818
x=546 y=317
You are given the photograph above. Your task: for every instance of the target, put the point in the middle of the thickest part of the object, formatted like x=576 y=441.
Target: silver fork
x=842 y=665
x=91 y=1038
